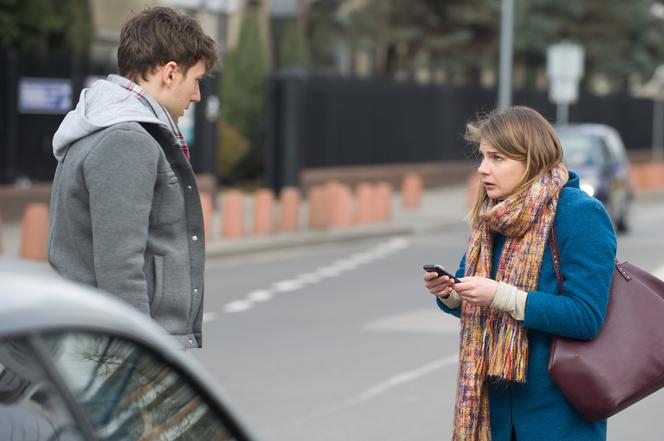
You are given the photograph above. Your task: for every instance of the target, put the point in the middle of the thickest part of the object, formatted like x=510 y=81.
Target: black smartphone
x=441 y=272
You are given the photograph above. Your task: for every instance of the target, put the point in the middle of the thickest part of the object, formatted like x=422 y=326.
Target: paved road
x=341 y=342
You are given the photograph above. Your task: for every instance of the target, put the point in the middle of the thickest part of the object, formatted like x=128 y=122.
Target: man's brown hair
x=158 y=35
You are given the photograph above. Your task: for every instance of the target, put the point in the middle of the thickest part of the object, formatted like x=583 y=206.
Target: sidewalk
x=440 y=207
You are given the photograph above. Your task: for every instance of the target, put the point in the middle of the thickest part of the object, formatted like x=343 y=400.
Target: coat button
x=189 y=187
x=195 y=290
x=194 y=238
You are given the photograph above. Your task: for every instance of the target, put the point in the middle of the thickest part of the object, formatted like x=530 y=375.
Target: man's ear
x=168 y=73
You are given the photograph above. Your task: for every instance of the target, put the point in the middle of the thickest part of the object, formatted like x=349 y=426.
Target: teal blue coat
x=537 y=410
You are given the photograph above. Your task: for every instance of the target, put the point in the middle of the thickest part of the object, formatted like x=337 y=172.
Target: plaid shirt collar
x=155 y=107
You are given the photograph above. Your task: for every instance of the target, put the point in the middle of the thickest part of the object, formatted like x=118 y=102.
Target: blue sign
x=44 y=95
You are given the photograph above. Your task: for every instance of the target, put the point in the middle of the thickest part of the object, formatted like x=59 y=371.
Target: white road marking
x=328 y=271
x=287 y=285
x=338 y=267
x=309 y=278
x=237 y=306
x=391 y=383
x=260 y=295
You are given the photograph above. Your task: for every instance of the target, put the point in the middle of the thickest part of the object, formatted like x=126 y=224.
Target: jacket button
x=189 y=187
x=194 y=238
x=195 y=290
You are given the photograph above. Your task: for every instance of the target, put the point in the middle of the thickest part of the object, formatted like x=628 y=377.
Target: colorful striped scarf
x=492 y=343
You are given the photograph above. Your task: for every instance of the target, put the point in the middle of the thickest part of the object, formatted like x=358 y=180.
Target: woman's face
x=499 y=174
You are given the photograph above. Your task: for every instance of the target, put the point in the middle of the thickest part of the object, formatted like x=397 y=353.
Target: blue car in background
x=597 y=154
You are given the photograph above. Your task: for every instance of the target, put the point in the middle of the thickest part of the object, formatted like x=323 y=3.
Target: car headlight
x=587 y=187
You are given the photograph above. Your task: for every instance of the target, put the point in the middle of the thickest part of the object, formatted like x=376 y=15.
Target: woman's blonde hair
x=519 y=133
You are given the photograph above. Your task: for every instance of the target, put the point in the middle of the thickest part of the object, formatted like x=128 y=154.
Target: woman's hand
x=440 y=286
x=478 y=291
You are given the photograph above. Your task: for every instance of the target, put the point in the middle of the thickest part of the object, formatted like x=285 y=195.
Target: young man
x=125 y=209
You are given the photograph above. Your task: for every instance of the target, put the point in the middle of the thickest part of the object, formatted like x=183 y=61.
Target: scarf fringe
x=507 y=360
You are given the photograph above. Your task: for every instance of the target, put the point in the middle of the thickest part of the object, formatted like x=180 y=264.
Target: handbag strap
x=555 y=256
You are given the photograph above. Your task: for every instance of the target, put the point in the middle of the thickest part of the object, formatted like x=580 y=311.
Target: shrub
x=233 y=147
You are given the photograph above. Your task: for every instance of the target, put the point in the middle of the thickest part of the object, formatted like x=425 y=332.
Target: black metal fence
x=25 y=137
x=318 y=121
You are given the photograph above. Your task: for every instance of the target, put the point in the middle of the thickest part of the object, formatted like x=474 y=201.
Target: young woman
x=508 y=299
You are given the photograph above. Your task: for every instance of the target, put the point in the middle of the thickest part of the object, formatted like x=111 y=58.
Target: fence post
x=286 y=118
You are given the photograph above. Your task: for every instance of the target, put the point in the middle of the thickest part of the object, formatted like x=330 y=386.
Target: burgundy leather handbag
x=625 y=361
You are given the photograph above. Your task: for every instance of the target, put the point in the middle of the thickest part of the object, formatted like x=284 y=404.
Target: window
x=31 y=407
x=582 y=150
x=129 y=394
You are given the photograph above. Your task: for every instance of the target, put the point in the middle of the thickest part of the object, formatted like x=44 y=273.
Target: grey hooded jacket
x=125 y=210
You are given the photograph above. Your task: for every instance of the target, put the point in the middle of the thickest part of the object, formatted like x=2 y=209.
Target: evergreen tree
x=243 y=93
x=43 y=26
x=294 y=50
x=243 y=80
x=620 y=37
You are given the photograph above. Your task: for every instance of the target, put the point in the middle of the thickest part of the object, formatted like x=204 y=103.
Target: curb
x=282 y=241
x=651 y=194
x=251 y=245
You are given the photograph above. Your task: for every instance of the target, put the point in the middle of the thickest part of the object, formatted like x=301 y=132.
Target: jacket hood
x=102 y=105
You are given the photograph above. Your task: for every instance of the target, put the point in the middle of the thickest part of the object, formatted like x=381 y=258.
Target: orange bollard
x=660 y=174
x=383 y=202
x=634 y=177
x=290 y=209
x=648 y=174
x=365 y=204
x=206 y=207
x=263 y=205
x=330 y=189
x=411 y=191
x=656 y=171
x=644 y=176
x=341 y=204
x=232 y=214
x=473 y=185
x=34 y=232
x=316 y=204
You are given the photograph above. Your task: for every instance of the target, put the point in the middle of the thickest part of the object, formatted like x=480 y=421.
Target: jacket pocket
x=158 y=294
x=168 y=206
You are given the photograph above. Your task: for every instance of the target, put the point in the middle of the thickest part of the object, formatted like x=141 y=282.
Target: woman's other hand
x=478 y=291
x=440 y=286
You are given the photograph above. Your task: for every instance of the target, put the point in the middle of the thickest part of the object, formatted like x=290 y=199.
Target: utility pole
x=506 y=50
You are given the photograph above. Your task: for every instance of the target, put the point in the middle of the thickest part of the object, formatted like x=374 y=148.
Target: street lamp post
x=657 y=91
x=506 y=43
x=658 y=129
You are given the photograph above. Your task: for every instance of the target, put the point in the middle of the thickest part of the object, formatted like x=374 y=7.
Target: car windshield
x=129 y=394
x=581 y=149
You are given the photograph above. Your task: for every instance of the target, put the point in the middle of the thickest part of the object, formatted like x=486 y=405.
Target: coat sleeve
x=587 y=244
x=120 y=174
x=459 y=273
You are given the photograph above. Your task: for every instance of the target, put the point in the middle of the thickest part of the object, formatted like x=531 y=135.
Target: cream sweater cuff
x=453 y=301
x=511 y=300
